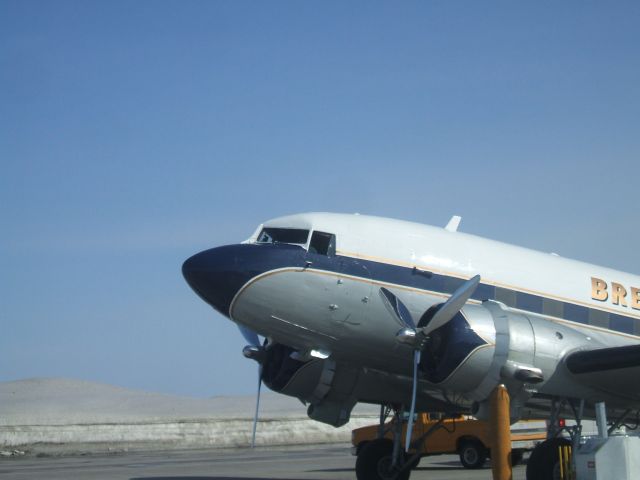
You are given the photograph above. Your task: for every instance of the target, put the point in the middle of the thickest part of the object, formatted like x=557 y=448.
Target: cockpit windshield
x=294 y=236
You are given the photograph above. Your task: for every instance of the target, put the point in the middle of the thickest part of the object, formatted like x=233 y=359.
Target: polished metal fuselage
x=528 y=312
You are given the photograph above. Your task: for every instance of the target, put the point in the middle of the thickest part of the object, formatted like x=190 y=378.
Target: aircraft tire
x=374 y=462
x=544 y=463
x=473 y=454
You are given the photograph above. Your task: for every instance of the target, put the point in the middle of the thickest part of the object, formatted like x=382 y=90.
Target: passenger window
x=323 y=243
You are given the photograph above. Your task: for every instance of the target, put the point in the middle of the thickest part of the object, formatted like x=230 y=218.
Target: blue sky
x=133 y=134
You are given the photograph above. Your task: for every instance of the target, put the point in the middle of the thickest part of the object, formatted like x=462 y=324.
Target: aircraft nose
x=215 y=275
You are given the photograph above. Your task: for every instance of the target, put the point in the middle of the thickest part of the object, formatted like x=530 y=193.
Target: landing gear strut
x=383 y=459
x=545 y=460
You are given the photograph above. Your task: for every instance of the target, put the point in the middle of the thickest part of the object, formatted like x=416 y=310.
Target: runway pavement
x=332 y=462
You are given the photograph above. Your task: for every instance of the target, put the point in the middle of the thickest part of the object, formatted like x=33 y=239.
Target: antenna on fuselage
x=453 y=224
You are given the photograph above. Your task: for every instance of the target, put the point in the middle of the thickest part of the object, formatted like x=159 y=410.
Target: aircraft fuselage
x=313 y=282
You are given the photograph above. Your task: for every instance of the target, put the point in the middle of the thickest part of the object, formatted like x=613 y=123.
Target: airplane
x=356 y=308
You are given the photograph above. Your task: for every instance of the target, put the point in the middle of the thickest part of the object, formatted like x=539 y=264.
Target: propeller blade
x=255 y=417
x=397 y=308
x=416 y=362
x=249 y=335
x=255 y=352
x=453 y=305
x=410 y=336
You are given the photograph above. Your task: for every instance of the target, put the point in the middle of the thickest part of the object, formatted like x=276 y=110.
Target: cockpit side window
x=323 y=243
x=283 y=235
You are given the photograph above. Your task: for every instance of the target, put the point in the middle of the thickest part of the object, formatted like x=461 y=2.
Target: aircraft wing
x=615 y=370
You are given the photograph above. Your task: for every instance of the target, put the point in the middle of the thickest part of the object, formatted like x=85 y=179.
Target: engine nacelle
x=331 y=389
x=328 y=390
x=487 y=345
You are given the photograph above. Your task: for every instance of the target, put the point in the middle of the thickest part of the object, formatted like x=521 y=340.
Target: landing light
x=321 y=354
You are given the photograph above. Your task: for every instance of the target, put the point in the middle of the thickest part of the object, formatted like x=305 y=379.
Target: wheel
x=473 y=454
x=516 y=457
x=544 y=463
x=374 y=462
x=361 y=445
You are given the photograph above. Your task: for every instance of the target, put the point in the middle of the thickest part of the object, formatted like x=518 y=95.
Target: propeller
x=255 y=415
x=453 y=305
x=417 y=337
x=255 y=352
x=249 y=335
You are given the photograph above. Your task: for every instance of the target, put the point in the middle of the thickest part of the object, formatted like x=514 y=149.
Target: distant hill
x=61 y=401
x=65 y=416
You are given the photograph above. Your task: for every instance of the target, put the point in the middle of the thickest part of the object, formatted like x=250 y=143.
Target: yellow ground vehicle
x=467 y=437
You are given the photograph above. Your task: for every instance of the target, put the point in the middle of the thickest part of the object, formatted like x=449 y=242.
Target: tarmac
x=330 y=462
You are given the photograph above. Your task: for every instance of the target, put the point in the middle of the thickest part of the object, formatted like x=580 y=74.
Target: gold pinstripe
x=420 y=291
x=494 y=283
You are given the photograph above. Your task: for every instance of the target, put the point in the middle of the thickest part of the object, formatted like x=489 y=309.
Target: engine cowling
x=331 y=389
x=327 y=389
x=487 y=345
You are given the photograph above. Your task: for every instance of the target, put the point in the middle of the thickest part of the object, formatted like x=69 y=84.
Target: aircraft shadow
x=209 y=478
x=434 y=467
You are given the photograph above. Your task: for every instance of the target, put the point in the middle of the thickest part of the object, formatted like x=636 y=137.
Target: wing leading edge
x=614 y=369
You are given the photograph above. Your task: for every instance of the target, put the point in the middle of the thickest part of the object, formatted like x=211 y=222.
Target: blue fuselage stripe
x=413 y=278
x=219 y=273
